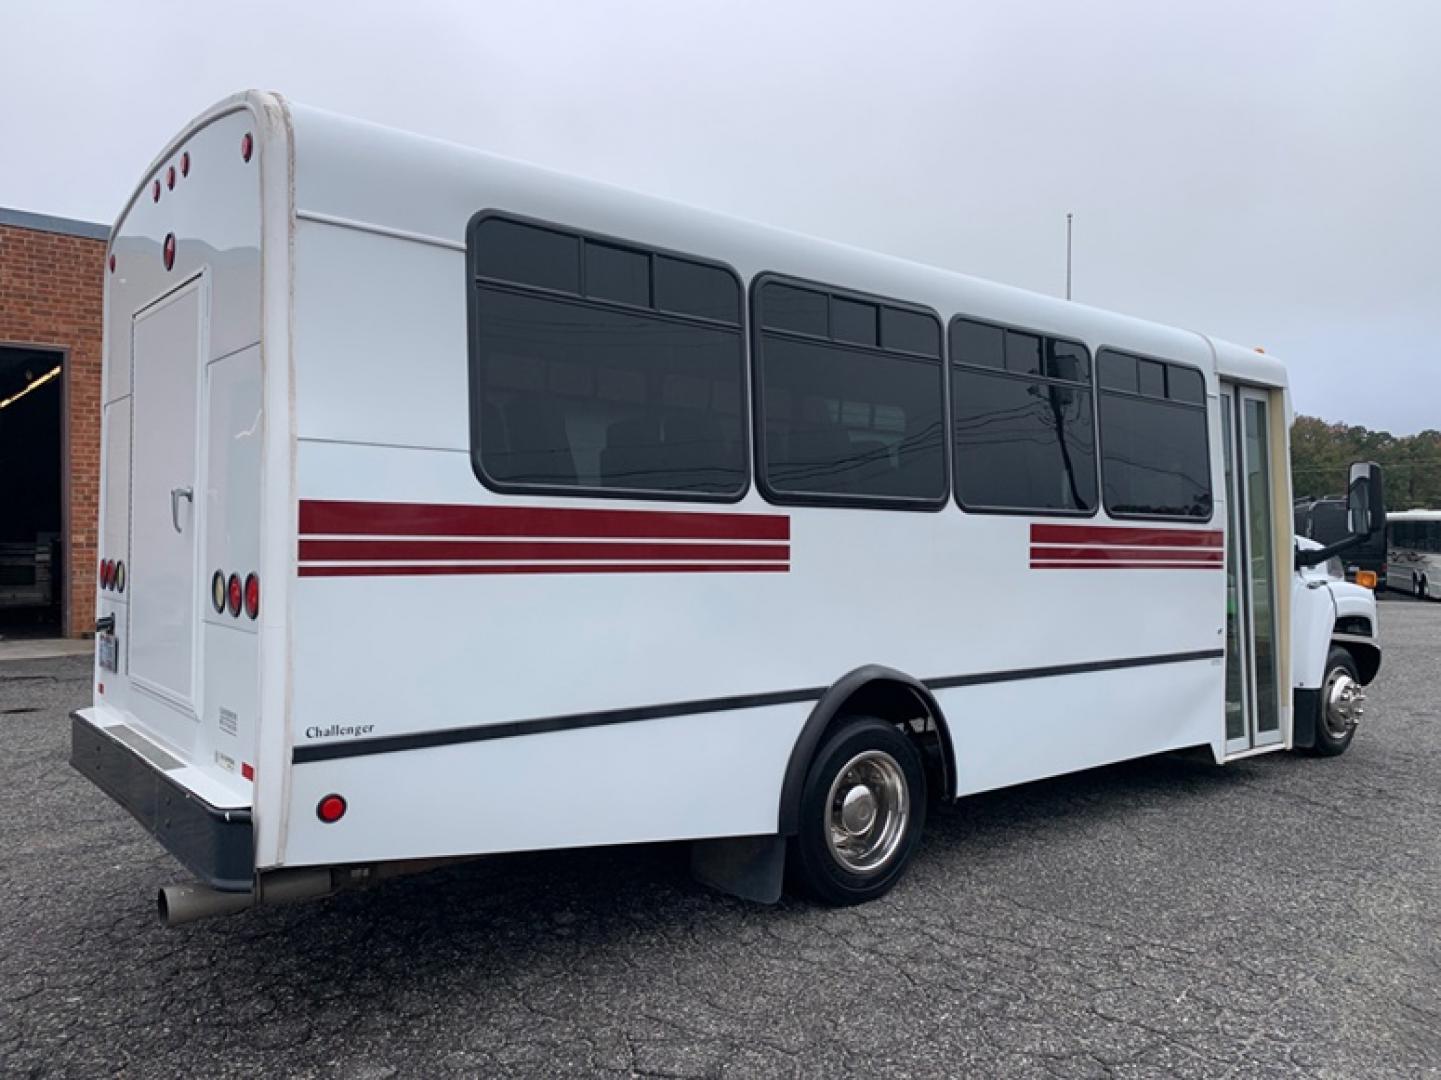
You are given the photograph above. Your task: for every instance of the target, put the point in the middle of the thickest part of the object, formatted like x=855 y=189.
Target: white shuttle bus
x=1413 y=554
x=453 y=506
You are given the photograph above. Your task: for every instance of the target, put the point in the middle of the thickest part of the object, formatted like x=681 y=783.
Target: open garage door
x=31 y=563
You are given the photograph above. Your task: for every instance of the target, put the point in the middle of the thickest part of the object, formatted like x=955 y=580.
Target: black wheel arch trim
x=827 y=709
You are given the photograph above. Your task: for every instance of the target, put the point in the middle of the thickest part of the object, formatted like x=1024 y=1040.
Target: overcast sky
x=1269 y=172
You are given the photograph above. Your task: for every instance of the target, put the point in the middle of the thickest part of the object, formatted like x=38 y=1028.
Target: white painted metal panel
x=169 y=346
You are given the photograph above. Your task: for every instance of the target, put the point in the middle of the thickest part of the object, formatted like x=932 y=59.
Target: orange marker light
x=1366 y=578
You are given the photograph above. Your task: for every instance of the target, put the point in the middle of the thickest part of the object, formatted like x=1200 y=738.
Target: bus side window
x=599 y=367
x=1155 y=454
x=1022 y=421
x=851 y=399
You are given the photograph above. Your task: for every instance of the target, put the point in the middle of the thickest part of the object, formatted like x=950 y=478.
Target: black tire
x=862 y=745
x=1329 y=742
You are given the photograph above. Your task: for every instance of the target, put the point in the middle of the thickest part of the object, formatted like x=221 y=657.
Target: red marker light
x=247 y=770
x=233 y=594
x=155 y=191
x=252 y=596
x=247 y=146
x=169 y=250
x=170 y=177
x=185 y=163
x=102 y=573
x=330 y=809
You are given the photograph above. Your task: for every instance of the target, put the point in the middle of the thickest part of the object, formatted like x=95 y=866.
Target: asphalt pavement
x=1160 y=918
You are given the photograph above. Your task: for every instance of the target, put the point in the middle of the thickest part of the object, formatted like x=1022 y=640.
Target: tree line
x=1321 y=453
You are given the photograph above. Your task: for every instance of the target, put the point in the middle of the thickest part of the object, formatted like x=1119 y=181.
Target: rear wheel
x=862 y=811
x=1339 y=707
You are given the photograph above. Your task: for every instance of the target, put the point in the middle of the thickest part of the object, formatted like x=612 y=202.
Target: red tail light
x=112 y=264
x=104 y=574
x=155 y=191
x=232 y=591
x=170 y=177
x=247 y=146
x=252 y=596
x=169 y=250
x=185 y=163
x=330 y=809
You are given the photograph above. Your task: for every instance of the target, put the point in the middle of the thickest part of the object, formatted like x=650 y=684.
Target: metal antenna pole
x=1068 y=256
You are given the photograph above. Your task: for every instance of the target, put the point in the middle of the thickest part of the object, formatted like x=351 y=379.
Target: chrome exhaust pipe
x=180 y=904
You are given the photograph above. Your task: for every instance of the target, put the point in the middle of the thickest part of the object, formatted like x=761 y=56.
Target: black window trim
x=473 y=282
x=757 y=331
x=1090 y=386
x=1204 y=407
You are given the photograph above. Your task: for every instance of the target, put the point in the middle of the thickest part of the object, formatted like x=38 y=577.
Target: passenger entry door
x=168 y=344
x=1253 y=659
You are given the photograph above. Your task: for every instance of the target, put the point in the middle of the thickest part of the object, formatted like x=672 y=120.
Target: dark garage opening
x=32 y=569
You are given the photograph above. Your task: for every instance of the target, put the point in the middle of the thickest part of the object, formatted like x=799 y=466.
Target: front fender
x=1313 y=618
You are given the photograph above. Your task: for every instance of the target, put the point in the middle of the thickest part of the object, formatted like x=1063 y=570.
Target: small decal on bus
x=338 y=729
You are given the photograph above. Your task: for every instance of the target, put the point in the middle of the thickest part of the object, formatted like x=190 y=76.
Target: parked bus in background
x=451 y=506
x=1325 y=521
x=1415 y=552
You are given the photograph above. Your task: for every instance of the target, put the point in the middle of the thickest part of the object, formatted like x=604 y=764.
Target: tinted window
x=853 y=322
x=978 y=344
x=1024 y=437
x=1155 y=453
x=838 y=422
x=1067 y=360
x=785 y=307
x=571 y=393
x=910 y=331
x=613 y=273
x=1023 y=353
x=1152 y=378
x=844 y=419
x=1022 y=443
x=527 y=255
x=1185 y=384
x=696 y=289
x=1118 y=371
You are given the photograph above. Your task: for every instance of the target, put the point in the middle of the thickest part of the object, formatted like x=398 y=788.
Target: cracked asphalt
x=1160 y=918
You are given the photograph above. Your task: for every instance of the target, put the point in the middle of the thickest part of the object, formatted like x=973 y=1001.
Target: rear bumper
x=218 y=846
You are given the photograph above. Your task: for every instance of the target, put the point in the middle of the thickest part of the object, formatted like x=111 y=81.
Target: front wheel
x=1339 y=707
x=862 y=811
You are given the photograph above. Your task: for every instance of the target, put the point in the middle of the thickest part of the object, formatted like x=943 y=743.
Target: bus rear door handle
x=176 y=494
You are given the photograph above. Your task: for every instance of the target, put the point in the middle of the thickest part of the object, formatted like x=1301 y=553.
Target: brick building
x=51 y=313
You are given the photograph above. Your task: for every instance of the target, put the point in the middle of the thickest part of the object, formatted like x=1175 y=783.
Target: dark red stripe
x=1126 y=554
x=429 y=519
x=511 y=550
x=1118 y=535
x=361 y=570
x=1069 y=565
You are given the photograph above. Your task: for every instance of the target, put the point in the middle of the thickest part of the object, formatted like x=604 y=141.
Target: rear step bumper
x=218 y=846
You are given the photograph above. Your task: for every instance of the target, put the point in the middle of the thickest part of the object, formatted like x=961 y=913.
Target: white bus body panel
x=184 y=404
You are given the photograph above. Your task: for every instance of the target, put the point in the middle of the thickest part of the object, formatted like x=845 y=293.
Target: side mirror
x=1366 y=499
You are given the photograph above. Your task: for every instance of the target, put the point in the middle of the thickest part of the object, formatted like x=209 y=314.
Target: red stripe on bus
x=399 y=570
x=1126 y=554
x=431 y=519
x=512 y=551
x=1040 y=564
x=1126 y=537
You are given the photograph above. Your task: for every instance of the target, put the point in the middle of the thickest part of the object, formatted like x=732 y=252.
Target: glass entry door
x=1253 y=666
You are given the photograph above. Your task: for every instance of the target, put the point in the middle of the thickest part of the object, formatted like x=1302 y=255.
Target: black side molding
x=217 y=846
